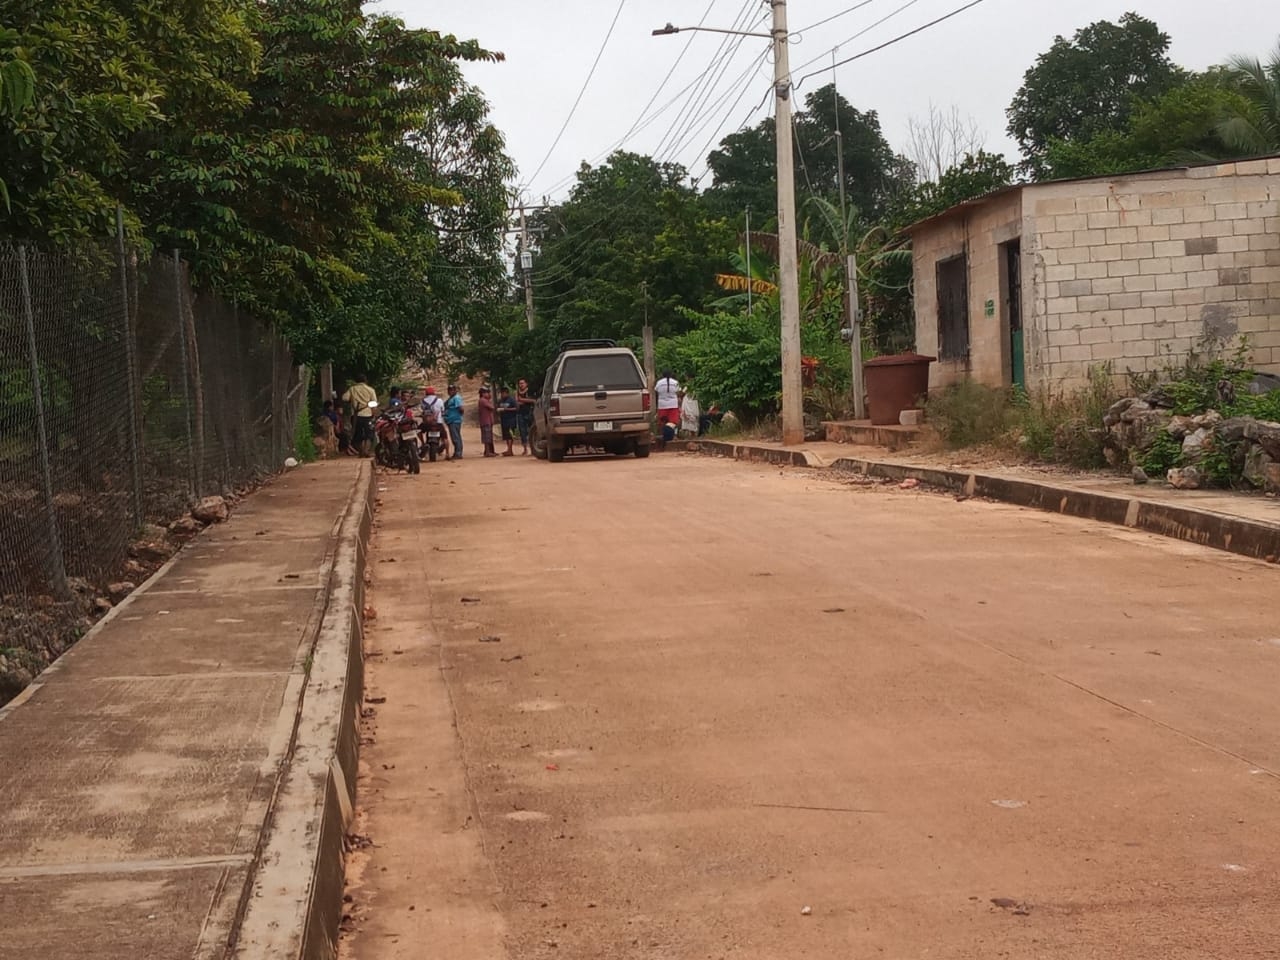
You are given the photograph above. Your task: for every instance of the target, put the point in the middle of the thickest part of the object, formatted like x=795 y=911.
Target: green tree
x=1251 y=127
x=976 y=175
x=326 y=168
x=1088 y=85
x=874 y=174
x=1180 y=126
x=17 y=88
x=107 y=73
x=744 y=166
x=632 y=235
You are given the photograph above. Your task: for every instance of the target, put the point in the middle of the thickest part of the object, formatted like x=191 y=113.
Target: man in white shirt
x=433 y=406
x=667 y=392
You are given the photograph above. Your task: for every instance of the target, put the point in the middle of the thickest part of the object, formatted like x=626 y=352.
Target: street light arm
x=671 y=28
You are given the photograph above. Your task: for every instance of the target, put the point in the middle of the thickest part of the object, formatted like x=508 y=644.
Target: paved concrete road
x=715 y=694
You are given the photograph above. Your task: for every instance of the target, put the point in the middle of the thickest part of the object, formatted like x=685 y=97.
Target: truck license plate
x=603 y=426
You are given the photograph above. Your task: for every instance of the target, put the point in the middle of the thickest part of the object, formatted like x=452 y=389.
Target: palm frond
x=740 y=284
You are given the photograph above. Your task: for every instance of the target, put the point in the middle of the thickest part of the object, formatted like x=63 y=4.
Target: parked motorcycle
x=396 y=447
x=430 y=437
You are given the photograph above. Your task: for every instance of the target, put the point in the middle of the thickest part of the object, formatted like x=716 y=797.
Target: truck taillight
x=555 y=406
x=646 y=401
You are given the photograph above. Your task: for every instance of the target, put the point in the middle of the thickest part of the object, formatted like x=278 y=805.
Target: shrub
x=1164 y=453
x=967 y=413
x=1056 y=428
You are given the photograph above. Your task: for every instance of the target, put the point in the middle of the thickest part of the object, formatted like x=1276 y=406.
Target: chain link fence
x=124 y=397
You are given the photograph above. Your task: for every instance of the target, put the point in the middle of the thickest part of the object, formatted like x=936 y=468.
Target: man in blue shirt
x=453 y=420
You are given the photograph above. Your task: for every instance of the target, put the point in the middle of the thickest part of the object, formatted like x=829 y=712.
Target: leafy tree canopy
x=325 y=167
x=1088 y=85
x=976 y=175
x=632 y=237
x=744 y=166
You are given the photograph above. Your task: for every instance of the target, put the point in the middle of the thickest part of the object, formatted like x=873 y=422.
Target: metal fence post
x=276 y=393
x=186 y=373
x=57 y=572
x=131 y=363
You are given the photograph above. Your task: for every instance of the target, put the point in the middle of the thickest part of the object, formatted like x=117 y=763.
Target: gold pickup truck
x=594 y=395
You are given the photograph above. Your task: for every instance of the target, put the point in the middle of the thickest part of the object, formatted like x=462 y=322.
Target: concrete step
x=865 y=433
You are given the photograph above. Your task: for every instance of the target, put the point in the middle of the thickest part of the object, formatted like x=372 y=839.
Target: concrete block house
x=1042 y=284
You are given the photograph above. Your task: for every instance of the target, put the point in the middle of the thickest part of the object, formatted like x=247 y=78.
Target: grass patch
x=1063 y=428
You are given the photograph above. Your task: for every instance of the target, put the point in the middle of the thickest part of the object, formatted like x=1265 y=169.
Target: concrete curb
x=295 y=904
x=1240 y=535
x=747 y=451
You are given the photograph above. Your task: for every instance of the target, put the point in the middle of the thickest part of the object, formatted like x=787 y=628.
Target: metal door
x=1017 y=355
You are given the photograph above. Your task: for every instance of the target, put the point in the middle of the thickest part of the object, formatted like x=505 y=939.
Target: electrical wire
x=865 y=30
x=667 y=79
x=835 y=16
x=889 y=43
x=725 y=51
x=640 y=125
x=704 y=152
x=585 y=84
x=674 y=146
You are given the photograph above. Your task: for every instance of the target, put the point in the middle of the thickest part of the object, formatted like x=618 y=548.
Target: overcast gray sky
x=974 y=61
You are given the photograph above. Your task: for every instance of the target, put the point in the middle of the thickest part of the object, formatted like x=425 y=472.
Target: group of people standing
x=512 y=412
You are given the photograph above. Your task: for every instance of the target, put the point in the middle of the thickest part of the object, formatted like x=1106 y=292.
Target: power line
x=641 y=125
x=667 y=79
x=834 y=16
x=889 y=43
x=703 y=153
x=725 y=52
x=865 y=30
x=560 y=270
x=585 y=83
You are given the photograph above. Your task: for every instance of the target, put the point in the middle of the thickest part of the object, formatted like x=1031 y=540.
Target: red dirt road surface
x=691 y=708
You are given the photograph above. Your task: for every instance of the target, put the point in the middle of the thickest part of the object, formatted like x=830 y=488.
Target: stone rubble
x=1134 y=424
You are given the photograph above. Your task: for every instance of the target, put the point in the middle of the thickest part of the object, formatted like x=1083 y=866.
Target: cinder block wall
x=1135 y=271
x=977 y=233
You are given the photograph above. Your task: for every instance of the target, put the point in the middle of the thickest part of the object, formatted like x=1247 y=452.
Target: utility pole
x=750 y=279
x=526 y=267
x=788 y=278
x=851 y=287
x=649 y=374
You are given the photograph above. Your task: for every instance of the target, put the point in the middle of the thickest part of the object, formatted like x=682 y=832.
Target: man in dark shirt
x=525 y=419
x=509 y=411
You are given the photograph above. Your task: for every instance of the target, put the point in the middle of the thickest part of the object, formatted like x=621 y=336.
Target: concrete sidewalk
x=1237 y=522
x=142 y=770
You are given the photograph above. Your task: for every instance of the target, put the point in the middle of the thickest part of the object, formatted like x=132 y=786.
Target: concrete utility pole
x=788 y=277
x=526 y=268
x=851 y=287
x=750 y=279
x=649 y=374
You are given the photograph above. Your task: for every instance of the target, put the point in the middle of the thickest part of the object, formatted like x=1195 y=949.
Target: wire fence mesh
x=124 y=397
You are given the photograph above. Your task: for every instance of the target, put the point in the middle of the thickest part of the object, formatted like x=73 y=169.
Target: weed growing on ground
x=1053 y=427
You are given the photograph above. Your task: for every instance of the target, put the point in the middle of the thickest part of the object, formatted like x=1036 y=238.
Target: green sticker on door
x=989 y=308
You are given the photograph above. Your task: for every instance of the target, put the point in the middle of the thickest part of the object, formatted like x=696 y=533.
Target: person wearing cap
x=453 y=420
x=433 y=406
x=486 y=421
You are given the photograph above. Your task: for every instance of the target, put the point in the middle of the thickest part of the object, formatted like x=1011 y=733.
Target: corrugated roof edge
x=987 y=197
